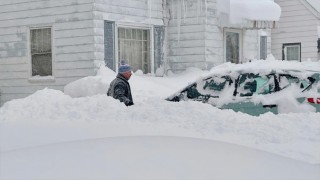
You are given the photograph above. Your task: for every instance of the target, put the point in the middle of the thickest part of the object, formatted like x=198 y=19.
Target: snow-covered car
x=257 y=87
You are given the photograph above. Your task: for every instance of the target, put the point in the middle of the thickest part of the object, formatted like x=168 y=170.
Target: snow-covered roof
x=262 y=10
x=242 y=11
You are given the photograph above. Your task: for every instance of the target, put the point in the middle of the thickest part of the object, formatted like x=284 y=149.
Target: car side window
x=250 y=84
x=247 y=84
x=265 y=84
x=207 y=88
x=217 y=83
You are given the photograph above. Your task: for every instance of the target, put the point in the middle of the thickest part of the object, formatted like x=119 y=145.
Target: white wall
x=187 y=33
x=297 y=24
x=213 y=37
x=73 y=51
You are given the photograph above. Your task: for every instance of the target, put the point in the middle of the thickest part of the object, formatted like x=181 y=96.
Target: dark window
x=159 y=32
x=109 y=56
x=233 y=47
x=41 y=52
x=263 y=47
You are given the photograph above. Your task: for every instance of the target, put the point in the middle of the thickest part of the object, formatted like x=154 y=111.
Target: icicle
x=179 y=19
x=149 y=10
x=173 y=11
x=184 y=9
x=198 y=10
x=206 y=7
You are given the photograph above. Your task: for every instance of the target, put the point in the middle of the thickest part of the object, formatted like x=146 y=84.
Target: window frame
x=285 y=45
x=266 y=47
x=240 y=32
x=50 y=78
x=133 y=26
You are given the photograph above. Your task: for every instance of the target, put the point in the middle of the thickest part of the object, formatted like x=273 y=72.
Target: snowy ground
x=84 y=112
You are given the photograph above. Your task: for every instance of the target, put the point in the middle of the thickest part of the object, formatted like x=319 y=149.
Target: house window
x=263 y=47
x=41 y=51
x=233 y=47
x=134 y=47
x=291 y=52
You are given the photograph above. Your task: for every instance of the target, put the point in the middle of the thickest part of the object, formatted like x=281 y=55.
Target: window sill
x=39 y=79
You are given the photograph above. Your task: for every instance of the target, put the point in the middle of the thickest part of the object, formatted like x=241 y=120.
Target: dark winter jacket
x=120 y=89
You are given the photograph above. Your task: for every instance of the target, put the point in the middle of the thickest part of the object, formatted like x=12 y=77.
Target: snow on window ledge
x=35 y=79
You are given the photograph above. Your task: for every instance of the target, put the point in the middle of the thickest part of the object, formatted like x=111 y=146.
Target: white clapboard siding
x=186 y=25
x=298 y=24
x=73 y=32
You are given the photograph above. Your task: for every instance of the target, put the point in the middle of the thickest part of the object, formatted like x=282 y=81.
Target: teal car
x=276 y=91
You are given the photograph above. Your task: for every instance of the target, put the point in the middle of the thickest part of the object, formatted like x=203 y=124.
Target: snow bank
x=49 y=116
x=91 y=85
x=135 y=158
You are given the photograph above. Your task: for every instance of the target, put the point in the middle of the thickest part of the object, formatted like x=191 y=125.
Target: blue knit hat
x=123 y=67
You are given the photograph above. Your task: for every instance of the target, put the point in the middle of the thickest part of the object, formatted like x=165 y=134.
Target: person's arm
x=120 y=93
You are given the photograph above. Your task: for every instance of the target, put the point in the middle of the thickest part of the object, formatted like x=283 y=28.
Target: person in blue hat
x=120 y=87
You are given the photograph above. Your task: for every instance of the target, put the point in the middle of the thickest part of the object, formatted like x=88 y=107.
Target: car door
x=247 y=85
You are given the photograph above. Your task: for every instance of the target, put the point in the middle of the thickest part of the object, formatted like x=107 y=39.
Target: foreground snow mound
x=150 y=158
x=49 y=116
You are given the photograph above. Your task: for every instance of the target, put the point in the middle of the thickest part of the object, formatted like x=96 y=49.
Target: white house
x=298 y=34
x=49 y=43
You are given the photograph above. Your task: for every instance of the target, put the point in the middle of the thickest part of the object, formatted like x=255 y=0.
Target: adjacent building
x=298 y=34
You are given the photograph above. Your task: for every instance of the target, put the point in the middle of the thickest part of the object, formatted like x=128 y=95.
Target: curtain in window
x=293 y=53
x=232 y=47
x=134 y=47
x=41 y=52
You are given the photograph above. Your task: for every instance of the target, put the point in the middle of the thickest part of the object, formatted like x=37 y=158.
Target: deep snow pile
x=50 y=116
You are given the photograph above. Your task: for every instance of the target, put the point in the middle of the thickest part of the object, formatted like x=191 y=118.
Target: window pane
x=121 y=33
x=42 y=65
x=293 y=53
x=145 y=35
x=232 y=47
x=128 y=34
x=134 y=34
x=139 y=34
